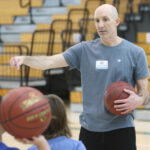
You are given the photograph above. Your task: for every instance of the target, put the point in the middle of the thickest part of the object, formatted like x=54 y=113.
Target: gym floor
x=142 y=132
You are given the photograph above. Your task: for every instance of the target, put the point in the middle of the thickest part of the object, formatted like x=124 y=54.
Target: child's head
x=59 y=124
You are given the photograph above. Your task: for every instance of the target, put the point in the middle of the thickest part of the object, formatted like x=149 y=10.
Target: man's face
x=105 y=23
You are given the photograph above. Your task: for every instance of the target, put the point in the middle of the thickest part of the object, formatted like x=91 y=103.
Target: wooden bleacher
x=143 y=40
x=11 y=8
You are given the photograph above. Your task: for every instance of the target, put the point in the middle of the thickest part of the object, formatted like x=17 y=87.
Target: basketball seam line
x=11 y=119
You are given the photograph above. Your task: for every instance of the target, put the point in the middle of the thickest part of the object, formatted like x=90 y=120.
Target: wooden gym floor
x=142 y=132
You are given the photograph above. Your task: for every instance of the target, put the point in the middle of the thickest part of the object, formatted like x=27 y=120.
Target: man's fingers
x=125 y=112
x=121 y=109
x=120 y=101
x=120 y=106
x=16 y=62
x=128 y=91
x=12 y=62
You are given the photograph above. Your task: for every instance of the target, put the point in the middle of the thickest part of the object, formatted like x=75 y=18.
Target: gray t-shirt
x=101 y=65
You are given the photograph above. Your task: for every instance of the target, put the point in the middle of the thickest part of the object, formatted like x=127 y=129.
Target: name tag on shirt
x=102 y=64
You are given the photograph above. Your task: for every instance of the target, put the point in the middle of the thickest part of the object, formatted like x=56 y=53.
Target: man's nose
x=101 y=24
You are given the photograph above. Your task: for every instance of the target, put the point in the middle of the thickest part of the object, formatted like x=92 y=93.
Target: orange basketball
x=116 y=91
x=25 y=112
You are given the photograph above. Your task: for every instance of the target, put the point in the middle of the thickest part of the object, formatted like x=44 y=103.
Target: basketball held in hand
x=25 y=112
x=115 y=91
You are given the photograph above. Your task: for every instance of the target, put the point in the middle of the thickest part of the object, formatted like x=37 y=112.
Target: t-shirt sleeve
x=141 y=70
x=5 y=147
x=73 y=55
x=33 y=148
x=80 y=146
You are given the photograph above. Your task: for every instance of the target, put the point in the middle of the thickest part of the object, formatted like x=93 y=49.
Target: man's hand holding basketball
x=17 y=61
x=129 y=104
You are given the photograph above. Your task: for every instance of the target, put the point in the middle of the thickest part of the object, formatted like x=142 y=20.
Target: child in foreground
x=58 y=133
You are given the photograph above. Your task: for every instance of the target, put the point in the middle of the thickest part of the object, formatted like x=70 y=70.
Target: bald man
x=101 y=62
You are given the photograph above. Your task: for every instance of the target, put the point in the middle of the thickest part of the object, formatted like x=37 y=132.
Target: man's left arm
x=142 y=90
x=134 y=100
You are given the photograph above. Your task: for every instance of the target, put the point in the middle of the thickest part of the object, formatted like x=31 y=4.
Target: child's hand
x=39 y=141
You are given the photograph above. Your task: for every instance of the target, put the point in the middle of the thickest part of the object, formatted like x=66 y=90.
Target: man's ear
x=117 y=21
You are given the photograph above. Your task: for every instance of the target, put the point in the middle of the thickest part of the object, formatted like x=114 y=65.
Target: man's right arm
x=39 y=62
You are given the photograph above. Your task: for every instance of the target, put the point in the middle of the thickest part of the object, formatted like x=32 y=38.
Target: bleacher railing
x=29 y=5
x=42 y=38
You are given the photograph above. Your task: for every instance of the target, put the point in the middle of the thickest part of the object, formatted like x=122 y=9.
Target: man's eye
x=105 y=19
x=97 y=21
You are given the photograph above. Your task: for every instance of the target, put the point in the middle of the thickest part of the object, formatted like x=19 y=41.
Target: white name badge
x=102 y=64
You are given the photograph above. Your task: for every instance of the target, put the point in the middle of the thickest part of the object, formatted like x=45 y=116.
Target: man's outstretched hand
x=16 y=61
